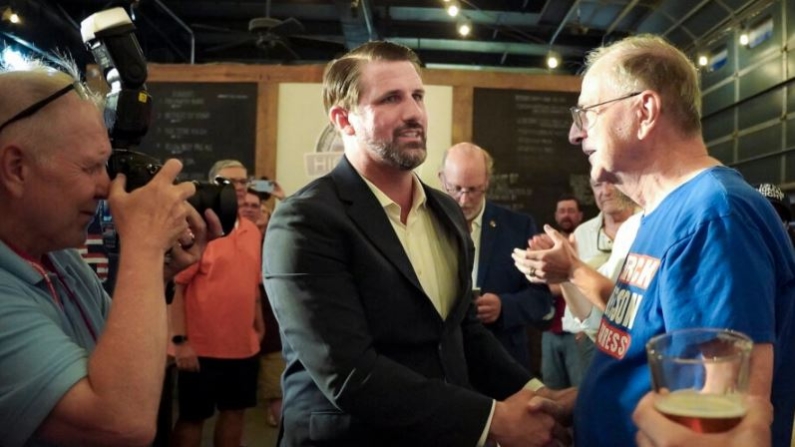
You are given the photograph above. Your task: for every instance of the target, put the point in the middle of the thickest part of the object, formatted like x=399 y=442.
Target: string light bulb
x=553 y=60
x=464 y=27
x=11 y=16
x=453 y=8
x=744 y=38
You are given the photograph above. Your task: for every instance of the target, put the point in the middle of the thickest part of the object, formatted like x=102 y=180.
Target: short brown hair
x=650 y=62
x=566 y=197
x=341 y=77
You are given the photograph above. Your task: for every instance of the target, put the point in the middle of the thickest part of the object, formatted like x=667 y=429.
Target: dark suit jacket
x=369 y=360
x=523 y=303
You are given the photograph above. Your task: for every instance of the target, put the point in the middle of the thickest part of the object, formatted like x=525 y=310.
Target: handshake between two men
x=534 y=418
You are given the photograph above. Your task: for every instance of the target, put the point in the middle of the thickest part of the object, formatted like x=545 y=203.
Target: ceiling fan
x=275 y=38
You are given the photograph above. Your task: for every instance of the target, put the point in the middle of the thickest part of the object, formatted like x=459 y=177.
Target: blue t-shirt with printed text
x=712 y=254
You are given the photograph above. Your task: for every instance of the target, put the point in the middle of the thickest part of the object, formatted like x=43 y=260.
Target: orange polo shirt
x=220 y=295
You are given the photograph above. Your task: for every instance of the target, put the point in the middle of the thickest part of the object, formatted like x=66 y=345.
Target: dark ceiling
x=510 y=34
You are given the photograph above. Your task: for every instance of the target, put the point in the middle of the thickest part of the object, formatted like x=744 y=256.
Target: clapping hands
x=550 y=258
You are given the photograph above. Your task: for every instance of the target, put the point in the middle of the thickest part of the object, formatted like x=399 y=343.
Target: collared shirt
x=50 y=325
x=610 y=269
x=474 y=230
x=429 y=247
x=220 y=295
x=587 y=236
x=431 y=251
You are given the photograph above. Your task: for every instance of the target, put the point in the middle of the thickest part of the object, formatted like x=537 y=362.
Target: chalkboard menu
x=201 y=123
x=534 y=164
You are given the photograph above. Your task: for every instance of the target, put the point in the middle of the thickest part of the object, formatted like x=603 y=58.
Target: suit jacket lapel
x=488 y=233
x=444 y=208
x=368 y=214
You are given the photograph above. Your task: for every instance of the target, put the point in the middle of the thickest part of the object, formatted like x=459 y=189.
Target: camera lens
x=219 y=198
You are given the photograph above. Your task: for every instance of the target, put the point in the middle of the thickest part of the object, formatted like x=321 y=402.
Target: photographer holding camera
x=76 y=369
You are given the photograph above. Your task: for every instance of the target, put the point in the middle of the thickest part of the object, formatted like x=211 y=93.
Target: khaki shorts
x=271 y=366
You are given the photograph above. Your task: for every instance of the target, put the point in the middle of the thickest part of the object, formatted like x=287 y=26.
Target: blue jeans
x=564 y=358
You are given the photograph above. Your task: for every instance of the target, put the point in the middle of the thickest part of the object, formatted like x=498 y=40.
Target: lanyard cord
x=79 y=307
x=69 y=292
x=50 y=285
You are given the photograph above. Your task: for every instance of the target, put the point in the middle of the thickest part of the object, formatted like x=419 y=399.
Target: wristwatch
x=179 y=339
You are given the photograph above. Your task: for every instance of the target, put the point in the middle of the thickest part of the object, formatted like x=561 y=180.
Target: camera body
x=110 y=37
x=139 y=168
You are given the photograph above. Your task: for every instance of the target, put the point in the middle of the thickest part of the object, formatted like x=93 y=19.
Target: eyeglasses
x=458 y=191
x=37 y=106
x=231 y=181
x=579 y=114
x=603 y=243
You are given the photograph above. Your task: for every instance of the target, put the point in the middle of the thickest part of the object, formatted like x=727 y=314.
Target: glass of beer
x=700 y=376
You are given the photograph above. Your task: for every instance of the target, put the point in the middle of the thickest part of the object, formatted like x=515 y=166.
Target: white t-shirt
x=611 y=269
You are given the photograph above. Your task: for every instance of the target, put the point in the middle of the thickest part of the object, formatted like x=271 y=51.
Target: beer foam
x=694 y=404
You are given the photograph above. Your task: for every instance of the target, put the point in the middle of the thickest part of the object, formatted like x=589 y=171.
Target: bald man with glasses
x=710 y=252
x=507 y=303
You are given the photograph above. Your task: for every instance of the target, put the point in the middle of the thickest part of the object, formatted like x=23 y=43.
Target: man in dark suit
x=368 y=272
x=507 y=301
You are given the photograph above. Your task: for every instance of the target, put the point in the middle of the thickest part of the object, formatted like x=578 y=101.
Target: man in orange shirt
x=216 y=327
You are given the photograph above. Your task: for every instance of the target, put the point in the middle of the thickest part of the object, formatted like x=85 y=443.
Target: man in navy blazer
x=508 y=303
x=368 y=272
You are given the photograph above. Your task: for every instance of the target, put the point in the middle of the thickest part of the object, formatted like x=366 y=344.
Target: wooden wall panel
x=462 y=113
x=268 y=78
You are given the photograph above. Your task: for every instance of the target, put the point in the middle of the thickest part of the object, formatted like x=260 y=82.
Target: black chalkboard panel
x=201 y=123
x=534 y=164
